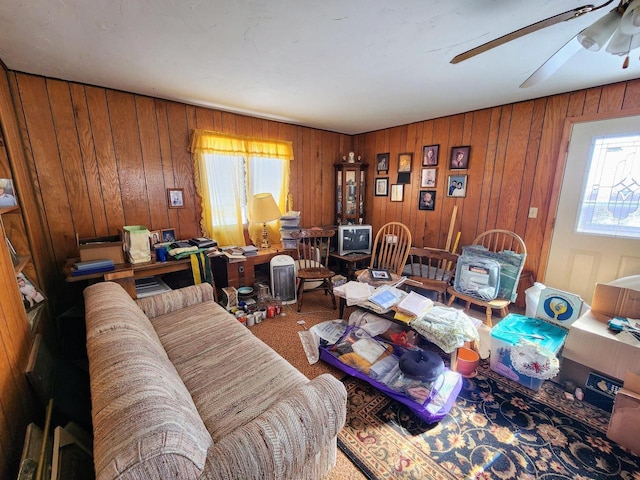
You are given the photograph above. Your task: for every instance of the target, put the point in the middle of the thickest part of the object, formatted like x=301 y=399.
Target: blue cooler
x=525 y=349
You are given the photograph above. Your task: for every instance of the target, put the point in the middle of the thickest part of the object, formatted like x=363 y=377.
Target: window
x=228 y=172
x=610 y=200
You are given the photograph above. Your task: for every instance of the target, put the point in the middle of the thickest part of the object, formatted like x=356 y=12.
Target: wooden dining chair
x=391 y=247
x=494 y=241
x=313 y=257
x=431 y=269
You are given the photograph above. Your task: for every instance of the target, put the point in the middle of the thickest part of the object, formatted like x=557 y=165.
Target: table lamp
x=265 y=210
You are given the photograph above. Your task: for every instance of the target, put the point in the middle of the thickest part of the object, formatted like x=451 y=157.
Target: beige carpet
x=281 y=334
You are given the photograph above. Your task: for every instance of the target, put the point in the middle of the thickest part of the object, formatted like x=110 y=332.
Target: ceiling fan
x=621 y=26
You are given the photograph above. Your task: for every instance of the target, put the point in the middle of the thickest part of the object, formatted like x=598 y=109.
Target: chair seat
x=315 y=273
x=500 y=304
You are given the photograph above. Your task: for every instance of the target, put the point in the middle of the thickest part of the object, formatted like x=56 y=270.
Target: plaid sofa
x=180 y=389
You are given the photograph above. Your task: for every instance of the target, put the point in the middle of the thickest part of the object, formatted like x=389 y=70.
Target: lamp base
x=265 y=240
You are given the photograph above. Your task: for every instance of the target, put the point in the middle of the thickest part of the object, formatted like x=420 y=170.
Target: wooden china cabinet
x=350 y=192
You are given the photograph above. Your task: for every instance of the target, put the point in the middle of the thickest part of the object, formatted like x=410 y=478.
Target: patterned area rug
x=497 y=429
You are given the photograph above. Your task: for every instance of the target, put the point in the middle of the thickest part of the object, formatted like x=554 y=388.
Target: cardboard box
x=592 y=344
x=101 y=248
x=624 y=424
x=614 y=301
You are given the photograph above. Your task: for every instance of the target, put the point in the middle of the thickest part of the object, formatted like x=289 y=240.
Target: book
x=249 y=250
x=414 y=304
x=234 y=257
x=93 y=264
x=386 y=296
x=203 y=242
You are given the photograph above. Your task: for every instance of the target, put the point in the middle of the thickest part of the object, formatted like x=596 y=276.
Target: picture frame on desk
x=31 y=296
x=380 y=274
x=168 y=235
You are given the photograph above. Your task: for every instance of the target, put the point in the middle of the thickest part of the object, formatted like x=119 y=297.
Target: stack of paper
x=415 y=304
x=356 y=292
x=386 y=296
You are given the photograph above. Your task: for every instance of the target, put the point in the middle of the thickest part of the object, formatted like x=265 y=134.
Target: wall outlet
x=241 y=268
x=533 y=212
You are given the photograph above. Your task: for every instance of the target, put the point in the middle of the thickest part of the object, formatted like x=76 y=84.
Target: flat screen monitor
x=354 y=239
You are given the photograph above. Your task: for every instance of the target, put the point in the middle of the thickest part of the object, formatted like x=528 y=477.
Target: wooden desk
x=126 y=273
x=351 y=261
x=240 y=274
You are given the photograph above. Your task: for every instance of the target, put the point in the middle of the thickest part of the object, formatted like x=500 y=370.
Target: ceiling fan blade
x=561 y=17
x=556 y=60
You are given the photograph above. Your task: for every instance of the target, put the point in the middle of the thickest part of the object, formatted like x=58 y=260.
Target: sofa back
x=144 y=420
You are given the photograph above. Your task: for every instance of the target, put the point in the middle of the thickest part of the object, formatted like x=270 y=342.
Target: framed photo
x=31 y=296
x=397 y=192
x=12 y=251
x=428 y=178
x=168 y=235
x=155 y=236
x=175 y=196
x=379 y=274
x=427 y=200
x=7 y=194
x=459 y=158
x=457 y=186
x=430 y=155
x=382 y=187
x=383 y=162
x=404 y=162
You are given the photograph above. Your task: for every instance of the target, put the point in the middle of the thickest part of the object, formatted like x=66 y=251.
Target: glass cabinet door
x=350 y=193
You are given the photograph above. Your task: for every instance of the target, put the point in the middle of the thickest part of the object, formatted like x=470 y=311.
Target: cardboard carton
x=616 y=301
x=99 y=248
x=624 y=424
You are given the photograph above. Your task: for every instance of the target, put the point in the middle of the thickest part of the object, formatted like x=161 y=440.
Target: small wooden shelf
x=14 y=208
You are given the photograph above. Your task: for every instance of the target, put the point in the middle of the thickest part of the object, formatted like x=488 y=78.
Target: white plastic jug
x=532 y=297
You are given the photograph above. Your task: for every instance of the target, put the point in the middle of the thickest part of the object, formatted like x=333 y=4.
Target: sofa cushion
x=217 y=358
x=144 y=419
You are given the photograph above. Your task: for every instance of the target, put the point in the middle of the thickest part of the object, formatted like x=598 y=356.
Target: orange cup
x=467 y=362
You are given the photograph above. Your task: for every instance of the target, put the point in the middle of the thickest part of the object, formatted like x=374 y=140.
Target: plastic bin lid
x=514 y=327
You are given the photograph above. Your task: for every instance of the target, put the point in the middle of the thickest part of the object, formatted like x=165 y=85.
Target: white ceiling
x=348 y=66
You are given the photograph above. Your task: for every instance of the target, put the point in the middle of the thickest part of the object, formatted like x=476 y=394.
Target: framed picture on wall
x=404 y=162
x=428 y=178
x=397 y=192
x=460 y=158
x=382 y=187
x=427 y=200
x=383 y=162
x=430 y=155
x=457 y=186
x=175 y=197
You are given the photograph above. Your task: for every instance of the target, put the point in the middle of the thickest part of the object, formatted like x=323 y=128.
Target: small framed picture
x=427 y=200
x=430 y=155
x=382 y=187
x=175 y=196
x=379 y=274
x=169 y=235
x=397 y=192
x=31 y=296
x=404 y=162
x=428 y=178
x=459 y=158
x=457 y=186
x=383 y=162
x=155 y=236
x=7 y=194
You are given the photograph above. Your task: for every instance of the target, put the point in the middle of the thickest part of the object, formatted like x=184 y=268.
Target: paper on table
x=415 y=304
x=357 y=292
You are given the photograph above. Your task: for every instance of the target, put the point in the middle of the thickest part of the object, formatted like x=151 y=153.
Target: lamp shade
x=264 y=208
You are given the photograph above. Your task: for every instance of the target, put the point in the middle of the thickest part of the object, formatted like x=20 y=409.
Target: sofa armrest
x=287 y=436
x=168 y=302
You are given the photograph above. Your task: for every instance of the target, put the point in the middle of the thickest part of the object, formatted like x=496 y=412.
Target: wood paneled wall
x=513 y=161
x=103 y=159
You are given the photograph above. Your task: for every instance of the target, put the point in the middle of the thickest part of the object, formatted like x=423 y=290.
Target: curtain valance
x=211 y=142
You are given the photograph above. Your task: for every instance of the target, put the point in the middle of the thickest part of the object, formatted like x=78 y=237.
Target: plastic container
x=507 y=334
x=532 y=297
x=467 y=362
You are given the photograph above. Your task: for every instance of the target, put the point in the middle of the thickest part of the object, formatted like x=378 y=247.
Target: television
x=354 y=239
